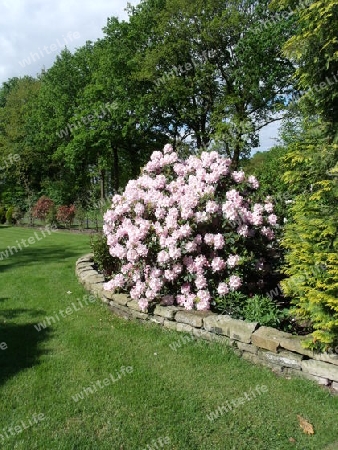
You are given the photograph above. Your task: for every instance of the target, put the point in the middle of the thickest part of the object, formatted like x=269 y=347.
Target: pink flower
x=200 y=281
x=229 y=210
x=219 y=241
x=198 y=239
x=252 y=180
x=163 y=257
x=203 y=302
x=268 y=207
x=174 y=252
x=217 y=264
x=177 y=268
x=272 y=219
x=139 y=209
x=143 y=304
x=223 y=289
x=212 y=207
x=234 y=282
x=239 y=177
x=168 y=148
x=185 y=288
x=189 y=301
x=200 y=262
x=209 y=238
x=202 y=216
x=170 y=275
x=190 y=247
x=256 y=219
x=233 y=260
x=266 y=231
x=132 y=255
x=243 y=230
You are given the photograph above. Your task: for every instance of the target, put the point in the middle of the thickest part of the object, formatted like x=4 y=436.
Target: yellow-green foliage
x=311 y=241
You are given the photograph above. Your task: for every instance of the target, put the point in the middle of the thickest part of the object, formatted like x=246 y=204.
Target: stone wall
x=280 y=351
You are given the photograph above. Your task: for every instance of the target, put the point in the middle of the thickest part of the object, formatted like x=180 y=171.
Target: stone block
x=109 y=294
x=284 y=359
x=250 y=348
x=255 y=359
x=193 y=318
x=133 y=304
x=82 y=270
x=97 y=289
x=184 y=327
x=156 y=319
x=203 y=334
x=86 y=258
x=138 y=315
x=120 y=311
x=334 y=386
x=233 y=328
x=268 y=338
x=319 y=380
x=121 y=299
x=331 y=358
x=92 y=276
x=294 y=344
x=170 y=325
x=320 y=369
x=168 y=312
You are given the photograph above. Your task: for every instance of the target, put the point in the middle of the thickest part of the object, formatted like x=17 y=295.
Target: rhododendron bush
x=189 y=232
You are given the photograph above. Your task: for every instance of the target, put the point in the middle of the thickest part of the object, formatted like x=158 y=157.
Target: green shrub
x=263 y=310
x=80 y=215
x=51 y=216
x=9 y=216
x=231 y=304
x=102 y=258
x=311 y=237
x=18 y=214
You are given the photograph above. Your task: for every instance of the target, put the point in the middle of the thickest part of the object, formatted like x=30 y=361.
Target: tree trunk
x=103 y=194
x=115 y=168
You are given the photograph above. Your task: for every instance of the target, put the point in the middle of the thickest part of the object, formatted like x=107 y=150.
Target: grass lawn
x=165 y=399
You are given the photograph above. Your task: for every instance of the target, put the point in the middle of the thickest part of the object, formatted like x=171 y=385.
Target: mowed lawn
x=144 y=395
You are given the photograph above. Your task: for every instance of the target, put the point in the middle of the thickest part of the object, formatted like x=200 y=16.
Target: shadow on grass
x=20 y=345
x=37 y=256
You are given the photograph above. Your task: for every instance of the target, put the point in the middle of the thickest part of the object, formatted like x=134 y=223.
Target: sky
x=33 y=32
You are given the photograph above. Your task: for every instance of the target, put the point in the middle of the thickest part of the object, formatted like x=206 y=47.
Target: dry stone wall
x=280 y=351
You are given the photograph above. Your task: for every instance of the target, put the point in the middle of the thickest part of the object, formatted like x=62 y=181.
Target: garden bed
x=278 y=350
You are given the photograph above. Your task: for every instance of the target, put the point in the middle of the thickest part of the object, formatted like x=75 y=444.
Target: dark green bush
x=102 y=258
x=2 y=216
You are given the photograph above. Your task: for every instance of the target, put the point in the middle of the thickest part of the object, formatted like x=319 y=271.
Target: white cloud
x=29 y=25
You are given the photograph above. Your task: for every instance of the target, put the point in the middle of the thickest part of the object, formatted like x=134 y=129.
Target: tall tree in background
x=217 y=70
x=24 y=175
x=315 y=50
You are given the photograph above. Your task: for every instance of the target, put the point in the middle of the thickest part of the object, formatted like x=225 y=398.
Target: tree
x=216 y=70
x=266 y=166
x=16 y=145
x=314 y=50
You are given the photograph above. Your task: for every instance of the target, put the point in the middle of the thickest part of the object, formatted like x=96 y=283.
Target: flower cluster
x=187 y=230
